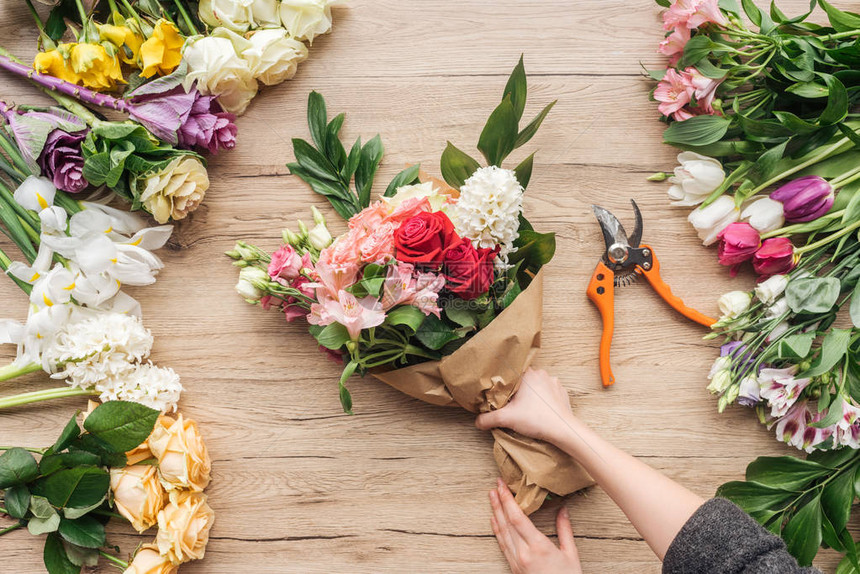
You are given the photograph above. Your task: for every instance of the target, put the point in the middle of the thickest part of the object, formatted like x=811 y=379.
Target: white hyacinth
x=97 y=347
x=488 y=209
x=155 y=387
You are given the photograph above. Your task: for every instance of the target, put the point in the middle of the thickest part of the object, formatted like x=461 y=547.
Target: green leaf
x=55 y=25
x=74 y=487
x=697 y=48
x=795 y=346
x=51 y=463
x=41 y=508
x=534 y=249
x=408 y=176
x=852 y=210
x=855 y=306
x=511 y=294
x=516 y=89
x=86 y=531
x=784 y=472
x=846 y=566
x=531 y=129
x=664 y=3
x=17 y=466
x=697 y=131
x=371 y=155
x=840 y=20
x=837 y=499
x=17 y=501
x=345 y=396
x=810 y=90
x=407 y=315
x=523 y=172
x=837 y=102
x=312 y=160
x=802 y=534
x=106 y=453
x=75 y=513
x=70 y=432
x=81 y=556
x=55 y=557
x=812 y=294
x=38 y=526
x=317 y=119
x=752 y=11
x=435 y=333
x=753 y=497
x=832 y=458
x=457 y=166
x=833 y=349
x=460 y=314
x=499 y=136
x=765 y=165
x=122 y=425
x=333 y=336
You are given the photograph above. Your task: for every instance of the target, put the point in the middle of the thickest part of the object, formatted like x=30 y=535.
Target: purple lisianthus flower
x=737 y=351
x=208 y=126
x=62 y=160
x=804 y=199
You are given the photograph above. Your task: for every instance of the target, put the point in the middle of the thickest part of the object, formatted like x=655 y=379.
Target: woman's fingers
x=516 y=517
x=565 y=533
x=502 y=539
x=509 y=540
x=491 y=420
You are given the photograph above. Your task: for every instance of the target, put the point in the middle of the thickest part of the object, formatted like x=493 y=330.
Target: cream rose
x=148 y=560
x=306 y=19
x=214 y=63
x=418 y=191
x=138 y=494
x=183 y=461
x=265 y=13
x=175 y=191
x=274 y=56
x=234 y=15
x=183 y=526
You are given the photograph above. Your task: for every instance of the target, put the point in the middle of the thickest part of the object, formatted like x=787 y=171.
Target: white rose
x=175 y=191
x=778 y=309
x=319 y=237
x=218 y=70
x=734 y=303
x=710 y=220
x=273 y=56
x=305 y=19
x=767 y=291
x=418 y=191
x=764 y=214
x=695 y=179
x=234 y=15
x=266 y=13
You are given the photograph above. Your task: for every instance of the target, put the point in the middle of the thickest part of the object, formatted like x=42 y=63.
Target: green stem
x=5 y=262
x=418 y=352
x=28 y=449
x=46 y=395
x=844 y=231
x=191 y=27
x=813 y=160
x=114 y=559
x=843 y=182
x=801 y=227
x=14 y=155
x=11 y=528
x=839 y=35
x=83 y=15
x=13 y=371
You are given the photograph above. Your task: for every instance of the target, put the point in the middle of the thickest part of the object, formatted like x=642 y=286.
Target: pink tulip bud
x=805 y=198
x=738 y=243
x=775 y=256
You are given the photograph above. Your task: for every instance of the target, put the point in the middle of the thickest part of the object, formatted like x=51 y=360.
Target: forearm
x=656 y=506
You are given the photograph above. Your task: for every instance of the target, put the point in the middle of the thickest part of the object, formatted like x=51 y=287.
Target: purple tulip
x=62 y=160
x=208 y=126
x=804 y=199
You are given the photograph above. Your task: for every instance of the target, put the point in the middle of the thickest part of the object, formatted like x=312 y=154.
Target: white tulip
x=306 y=19
x=214 y=63
x=711 y=220
x=764 y=214
x=734 y=304
x=274 y=56
x=235 y=15
x=768 y=290
x=695 y=179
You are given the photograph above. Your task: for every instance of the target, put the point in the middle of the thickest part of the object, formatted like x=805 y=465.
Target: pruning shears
x=622 y=263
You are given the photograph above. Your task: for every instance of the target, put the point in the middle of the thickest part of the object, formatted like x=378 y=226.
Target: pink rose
x=378 y=245
x=409 y=209
x=369 y=218
x=285 y=265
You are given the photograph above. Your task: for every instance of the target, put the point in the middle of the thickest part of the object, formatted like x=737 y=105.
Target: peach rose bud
x=183 y=461
x=138 y=494
x=149 y=560
x=183 y=526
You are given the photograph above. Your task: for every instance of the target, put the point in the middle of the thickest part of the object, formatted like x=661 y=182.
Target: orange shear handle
x=601 y=291
x=660 y=286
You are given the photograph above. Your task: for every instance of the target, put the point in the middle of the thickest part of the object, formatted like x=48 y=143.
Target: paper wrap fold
x=483 y=375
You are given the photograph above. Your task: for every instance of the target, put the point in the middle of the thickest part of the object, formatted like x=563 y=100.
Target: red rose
x=469 y=271
x=424 y=238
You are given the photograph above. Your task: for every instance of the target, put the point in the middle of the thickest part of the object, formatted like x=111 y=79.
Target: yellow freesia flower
x=95 y=67
x=162 y=52
x=125 y=39
x=55 y=64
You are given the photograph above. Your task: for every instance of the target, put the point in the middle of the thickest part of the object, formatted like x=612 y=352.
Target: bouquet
x=127 y=463
x=435 y=288
x=767 y=119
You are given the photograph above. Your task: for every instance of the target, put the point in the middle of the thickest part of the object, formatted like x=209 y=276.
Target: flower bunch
x=419 y=271
x=153 y=472
x=769 y=164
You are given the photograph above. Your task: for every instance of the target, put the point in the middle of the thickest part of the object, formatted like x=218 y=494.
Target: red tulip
x=775 y=256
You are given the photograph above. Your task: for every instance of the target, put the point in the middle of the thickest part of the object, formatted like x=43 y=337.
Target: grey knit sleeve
x=720 y=538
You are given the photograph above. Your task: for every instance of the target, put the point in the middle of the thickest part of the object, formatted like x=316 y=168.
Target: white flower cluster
x=488 y=209
x=155 y=387
x=231 y=61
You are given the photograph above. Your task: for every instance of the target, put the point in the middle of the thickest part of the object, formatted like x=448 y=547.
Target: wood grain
x=401 y=486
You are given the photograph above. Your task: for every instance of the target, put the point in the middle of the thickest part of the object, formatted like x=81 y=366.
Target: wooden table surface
x=401 y=486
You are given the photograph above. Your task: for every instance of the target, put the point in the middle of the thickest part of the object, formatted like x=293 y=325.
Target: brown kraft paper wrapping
x=482 y=376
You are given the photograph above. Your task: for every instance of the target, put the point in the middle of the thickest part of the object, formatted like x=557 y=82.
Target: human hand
x=540 y=409
x=525 y=548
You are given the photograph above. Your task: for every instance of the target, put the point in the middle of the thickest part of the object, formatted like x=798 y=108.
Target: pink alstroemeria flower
x=354 y=314
x=705 y=89
x=692 y=14
x=403 y=286
x=674 y=92
x=780 y=389
x=673 y=44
